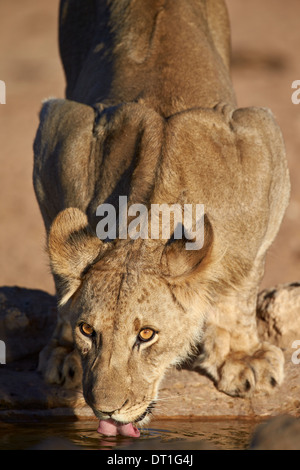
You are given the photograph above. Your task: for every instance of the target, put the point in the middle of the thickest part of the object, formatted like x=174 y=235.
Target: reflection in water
x=229 y=434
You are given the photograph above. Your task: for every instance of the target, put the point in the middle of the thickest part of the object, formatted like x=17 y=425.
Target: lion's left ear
x=178 y=261
x=72 y=248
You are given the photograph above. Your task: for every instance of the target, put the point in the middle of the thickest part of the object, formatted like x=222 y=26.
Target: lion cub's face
x=130 y=319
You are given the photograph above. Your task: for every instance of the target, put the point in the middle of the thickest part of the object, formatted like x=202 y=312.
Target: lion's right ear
x=72 y=248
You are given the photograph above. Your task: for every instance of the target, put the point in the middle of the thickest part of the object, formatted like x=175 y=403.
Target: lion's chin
x=110 y=427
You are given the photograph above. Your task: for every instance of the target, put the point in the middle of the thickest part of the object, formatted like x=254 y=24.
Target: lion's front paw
x=241 y=375
x=61 y=366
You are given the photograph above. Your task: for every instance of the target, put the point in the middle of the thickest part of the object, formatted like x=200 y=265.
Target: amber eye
x=146 y=334
x=86 y=329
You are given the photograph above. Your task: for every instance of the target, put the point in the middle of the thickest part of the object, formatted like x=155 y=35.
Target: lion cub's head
x=134 y=311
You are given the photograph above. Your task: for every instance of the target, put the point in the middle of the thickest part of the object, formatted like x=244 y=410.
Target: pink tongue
x=109 y=427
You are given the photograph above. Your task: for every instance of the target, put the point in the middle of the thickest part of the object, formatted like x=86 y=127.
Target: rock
x=278 y=314
x=280 y=433
x=27 y=318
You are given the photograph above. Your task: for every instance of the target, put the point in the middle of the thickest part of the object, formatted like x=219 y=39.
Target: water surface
x=167 y=434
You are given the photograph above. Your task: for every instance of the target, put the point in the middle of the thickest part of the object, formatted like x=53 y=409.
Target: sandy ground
x=265 y=38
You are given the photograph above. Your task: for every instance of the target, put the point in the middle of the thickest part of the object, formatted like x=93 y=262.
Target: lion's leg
x=59 y=362
x=63 y=125
x=232 y=353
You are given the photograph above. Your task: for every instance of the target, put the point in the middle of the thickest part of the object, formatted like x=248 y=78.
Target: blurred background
x=265 y=62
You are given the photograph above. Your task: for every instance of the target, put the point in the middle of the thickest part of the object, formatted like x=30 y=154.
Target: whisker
x=169 y=398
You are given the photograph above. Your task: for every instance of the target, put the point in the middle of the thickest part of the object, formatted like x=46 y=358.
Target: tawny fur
x=150 y=113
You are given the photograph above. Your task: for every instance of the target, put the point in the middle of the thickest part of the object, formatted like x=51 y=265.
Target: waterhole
x=169 y=434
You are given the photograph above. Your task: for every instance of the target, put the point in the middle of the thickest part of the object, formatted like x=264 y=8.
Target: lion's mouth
x=111 y=427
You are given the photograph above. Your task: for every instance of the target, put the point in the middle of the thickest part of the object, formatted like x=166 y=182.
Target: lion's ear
x=72 y=248
x=179 y=260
